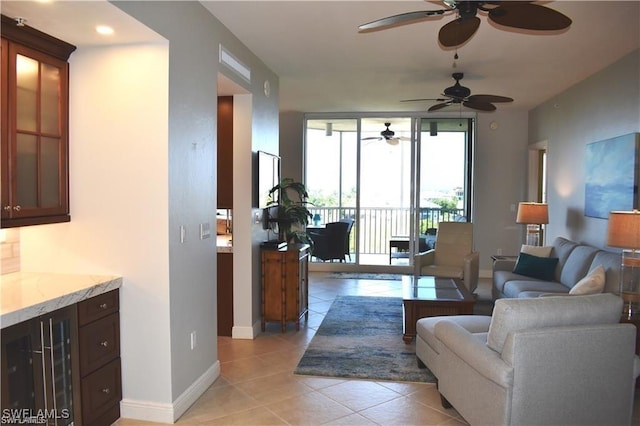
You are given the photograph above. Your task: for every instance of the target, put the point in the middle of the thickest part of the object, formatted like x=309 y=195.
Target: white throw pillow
x=593 y=283
x=540 y=251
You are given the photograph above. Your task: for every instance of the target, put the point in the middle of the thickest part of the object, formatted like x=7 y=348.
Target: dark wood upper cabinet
x=225 y=152
x=35 y=122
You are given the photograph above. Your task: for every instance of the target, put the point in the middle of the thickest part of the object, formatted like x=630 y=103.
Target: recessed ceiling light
x=104 y=30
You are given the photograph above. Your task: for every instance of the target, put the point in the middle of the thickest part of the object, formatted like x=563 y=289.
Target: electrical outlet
x=499 y=252
x=194 y=342
x=183 y=233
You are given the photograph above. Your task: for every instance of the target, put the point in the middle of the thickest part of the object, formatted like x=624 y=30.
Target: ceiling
x=326 y=65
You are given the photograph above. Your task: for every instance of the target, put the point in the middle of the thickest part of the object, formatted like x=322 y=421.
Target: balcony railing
x=378 y=224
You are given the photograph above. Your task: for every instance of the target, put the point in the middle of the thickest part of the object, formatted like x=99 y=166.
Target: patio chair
x=330 y=243
x=347 y=251
x=453 y=256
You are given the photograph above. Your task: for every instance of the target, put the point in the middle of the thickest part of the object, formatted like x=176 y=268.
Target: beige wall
x=603 y=106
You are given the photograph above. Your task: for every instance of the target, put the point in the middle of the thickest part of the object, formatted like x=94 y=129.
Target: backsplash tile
x=10 y=246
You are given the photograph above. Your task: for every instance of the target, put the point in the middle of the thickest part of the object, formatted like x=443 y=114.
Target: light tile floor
x=257 y=385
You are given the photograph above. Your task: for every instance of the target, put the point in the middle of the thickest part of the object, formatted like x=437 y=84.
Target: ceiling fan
x=388 y=135
x=458 y=94
x=515 y=14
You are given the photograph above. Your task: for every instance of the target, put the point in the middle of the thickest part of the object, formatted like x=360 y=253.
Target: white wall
x=603 y=106
x=119 y=199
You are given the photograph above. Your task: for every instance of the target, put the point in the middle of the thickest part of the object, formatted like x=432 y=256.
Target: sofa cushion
x=515 y=287
x=536 y=267
x=562 y=248
x=540 y=251
x=593 y=283
x=511 y=315
x=577 y=265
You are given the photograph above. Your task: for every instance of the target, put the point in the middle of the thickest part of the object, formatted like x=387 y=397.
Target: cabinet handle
x=53 y=365
x=17 y=208
x=106 y=391
x=103 y=306
x=44 y=366
x=104 y=343
x=6 y=208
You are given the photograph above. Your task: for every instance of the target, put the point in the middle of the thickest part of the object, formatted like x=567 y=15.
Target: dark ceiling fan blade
x=458 y=31
x=481 y=106
x=439 y=106
x=489 y=98
x=403 y=18
x=424 y=99
x=528 y=16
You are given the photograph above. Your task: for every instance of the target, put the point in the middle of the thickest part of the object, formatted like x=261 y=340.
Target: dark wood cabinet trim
x=35 y=39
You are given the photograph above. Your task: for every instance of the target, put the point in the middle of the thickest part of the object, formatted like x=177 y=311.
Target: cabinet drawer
x=101 y=390
x=98 y=307
x=99 y=343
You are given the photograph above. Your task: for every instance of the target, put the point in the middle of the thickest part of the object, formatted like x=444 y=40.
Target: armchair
x=453 y=255
x=550 y=360
x=330 y=243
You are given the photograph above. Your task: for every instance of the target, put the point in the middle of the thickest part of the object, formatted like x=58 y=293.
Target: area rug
x=361 y=337
x=363 y=276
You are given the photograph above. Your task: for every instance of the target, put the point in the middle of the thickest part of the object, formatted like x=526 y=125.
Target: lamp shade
x=533 y=213
x=624 y=230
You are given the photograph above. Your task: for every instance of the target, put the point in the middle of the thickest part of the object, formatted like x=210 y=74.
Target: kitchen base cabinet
x=64 y=366
x=285 y=284
x=99 y=337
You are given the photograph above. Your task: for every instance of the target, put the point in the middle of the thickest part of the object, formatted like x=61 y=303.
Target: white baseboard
x=169 y=413
x=249 y=333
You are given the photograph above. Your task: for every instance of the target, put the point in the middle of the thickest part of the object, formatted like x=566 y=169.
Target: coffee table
x=426 y=296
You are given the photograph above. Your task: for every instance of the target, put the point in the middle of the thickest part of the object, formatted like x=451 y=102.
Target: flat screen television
x=267 y=176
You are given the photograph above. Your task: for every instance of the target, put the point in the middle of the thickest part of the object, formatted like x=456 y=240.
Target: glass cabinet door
x=37 y=139
x=18 y=368
x=40 y=377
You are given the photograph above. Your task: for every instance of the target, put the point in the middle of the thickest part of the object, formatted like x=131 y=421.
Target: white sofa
x=536 y=361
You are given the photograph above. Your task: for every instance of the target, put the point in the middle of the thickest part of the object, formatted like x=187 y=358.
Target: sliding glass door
x=396 y=177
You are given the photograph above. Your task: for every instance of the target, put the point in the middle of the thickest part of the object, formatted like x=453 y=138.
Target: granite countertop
x=26 y=295
x=225 y=243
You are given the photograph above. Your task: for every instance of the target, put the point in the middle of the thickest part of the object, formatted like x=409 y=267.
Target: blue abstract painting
x=612 y=176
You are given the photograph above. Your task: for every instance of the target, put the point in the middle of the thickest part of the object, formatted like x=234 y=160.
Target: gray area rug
x=361 y=337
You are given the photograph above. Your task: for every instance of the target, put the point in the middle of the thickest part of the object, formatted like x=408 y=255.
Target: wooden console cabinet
x=285 y=284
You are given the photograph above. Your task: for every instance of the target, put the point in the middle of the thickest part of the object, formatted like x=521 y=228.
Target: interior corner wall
x=194 y=37
x=499 y=176
x=603 y=106
x=292 y=144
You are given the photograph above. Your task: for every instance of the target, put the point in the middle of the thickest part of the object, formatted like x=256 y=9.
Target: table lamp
x=624 y=232
x=534 y=215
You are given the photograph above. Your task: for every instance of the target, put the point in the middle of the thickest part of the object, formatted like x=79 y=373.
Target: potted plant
x=290 y=198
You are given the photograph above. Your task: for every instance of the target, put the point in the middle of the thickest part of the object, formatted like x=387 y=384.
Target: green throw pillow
x=542 y=268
